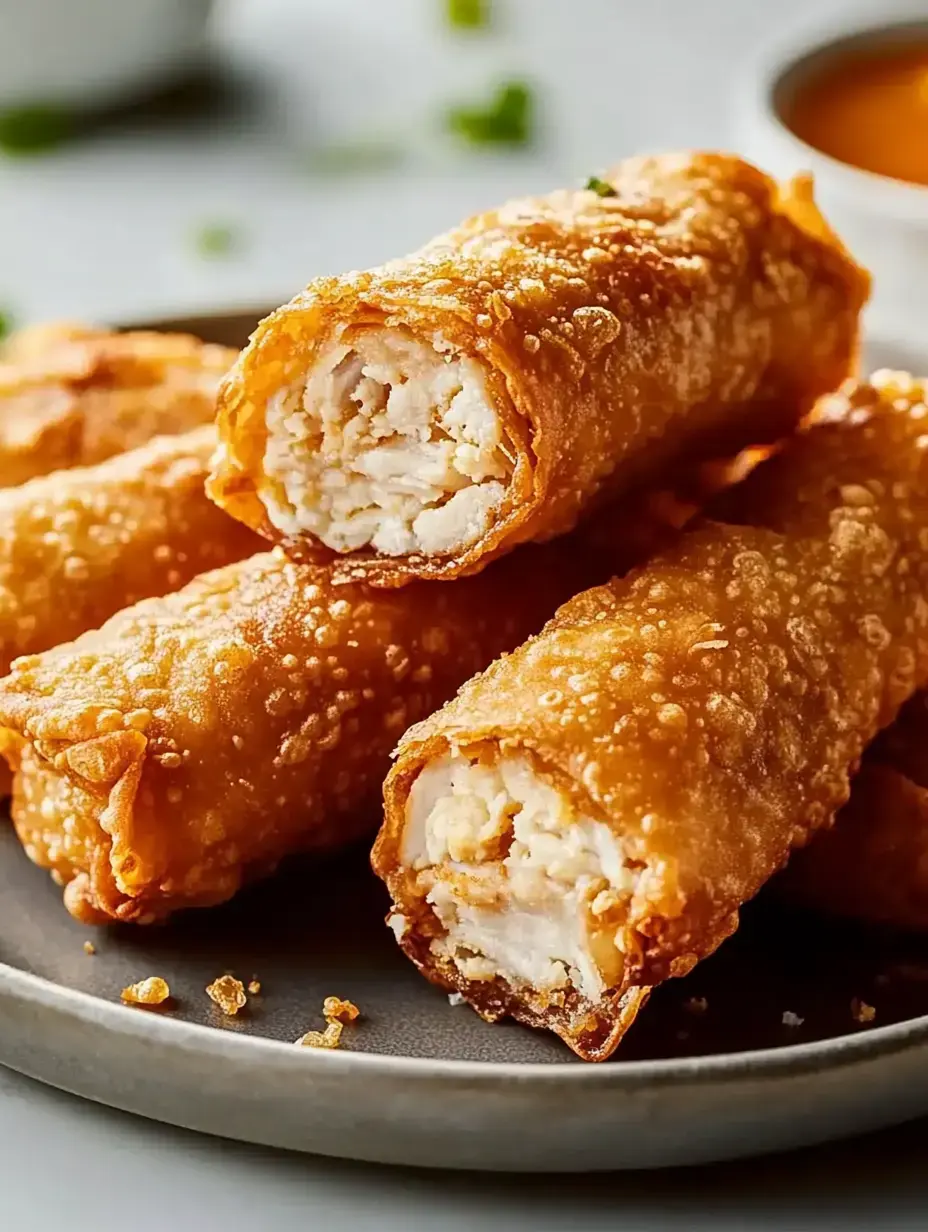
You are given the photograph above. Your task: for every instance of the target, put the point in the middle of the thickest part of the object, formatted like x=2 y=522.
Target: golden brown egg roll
x=586 y=818
x=77 y=545
x=873 y=864
x=72 y=397
x=194 y=740
x=420 y=419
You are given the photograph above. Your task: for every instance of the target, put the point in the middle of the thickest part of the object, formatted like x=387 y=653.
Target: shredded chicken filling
x=524 y=886
x=389 y=443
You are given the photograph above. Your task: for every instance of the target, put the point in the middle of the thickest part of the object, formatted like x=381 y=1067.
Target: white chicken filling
x=524 y=886
x=389 y=443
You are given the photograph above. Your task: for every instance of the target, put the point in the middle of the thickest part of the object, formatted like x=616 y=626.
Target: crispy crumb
x=696 y=1005
x=89 y=947
x=152 y=991
x=334 y=1009
x=861 y=1011
x=254 y=987
x=792 y=1020
x=228 y=993
x=329 y=1038
x=456 y=998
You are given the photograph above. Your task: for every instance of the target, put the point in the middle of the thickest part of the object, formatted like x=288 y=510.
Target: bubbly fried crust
x=78 y=545
x=73 y=397
x=712 y=706
x=699 y=310
x=196 y=739
x=873 y=865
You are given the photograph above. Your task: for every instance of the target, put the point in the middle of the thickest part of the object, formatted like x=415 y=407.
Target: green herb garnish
x=349 y=157
x=34 y=129
x=7 y=324
x=602 y=188
x=508 y=120
x=468 y=14
x=217 y=240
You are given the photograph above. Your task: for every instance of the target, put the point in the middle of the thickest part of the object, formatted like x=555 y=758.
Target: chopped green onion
x=217 y=240
x=468 y=14
x=602 y=188
x=349 y=157
x=507 y=120
x=34 y=129
x=7 y=323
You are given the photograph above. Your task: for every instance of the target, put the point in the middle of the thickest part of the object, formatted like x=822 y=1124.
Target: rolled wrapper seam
x=422 y=418
x=585 y=819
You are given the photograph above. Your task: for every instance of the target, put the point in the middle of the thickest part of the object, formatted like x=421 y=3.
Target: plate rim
x=831 y=1053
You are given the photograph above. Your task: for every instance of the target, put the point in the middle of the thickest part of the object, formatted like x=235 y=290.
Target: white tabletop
x=105 y=230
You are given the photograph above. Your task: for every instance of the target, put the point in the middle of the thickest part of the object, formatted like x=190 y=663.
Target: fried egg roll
x=195 y=739
x=420 y=419
x=873 y=865
x=78 y=545
x=72 y=397
x=585 y=819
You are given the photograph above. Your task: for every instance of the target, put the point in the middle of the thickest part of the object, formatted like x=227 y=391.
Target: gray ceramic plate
x=422 y=1082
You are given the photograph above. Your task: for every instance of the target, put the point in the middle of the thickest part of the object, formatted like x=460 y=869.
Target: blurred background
x=167 y=156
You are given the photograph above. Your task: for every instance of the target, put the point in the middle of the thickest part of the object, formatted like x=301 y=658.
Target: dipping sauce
x=868 y=107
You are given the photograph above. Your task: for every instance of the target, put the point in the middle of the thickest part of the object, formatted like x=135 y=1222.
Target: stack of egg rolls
x=585 y=819
x=71 y=396
x=418 y=420
x=423 y=418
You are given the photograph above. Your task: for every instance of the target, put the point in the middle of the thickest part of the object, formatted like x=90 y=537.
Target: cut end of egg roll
x=421 y=418
x=531 y=894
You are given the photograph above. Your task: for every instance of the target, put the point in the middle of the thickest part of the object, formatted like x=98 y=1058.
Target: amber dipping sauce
x=867 y=106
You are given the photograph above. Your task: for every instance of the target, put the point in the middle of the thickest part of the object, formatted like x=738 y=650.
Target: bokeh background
x=159 y=157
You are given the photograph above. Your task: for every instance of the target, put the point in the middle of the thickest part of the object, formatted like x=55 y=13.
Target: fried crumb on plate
x=151 y=991
x=792 y=1020
x=334 y=1009
x=89 y=947
x=329 y=1038
x=254 y=987
x=456 y=998
x=861 y=1011
x=228 y=993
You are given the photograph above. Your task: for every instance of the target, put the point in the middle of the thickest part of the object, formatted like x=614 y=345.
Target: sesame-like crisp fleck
x=335 y=1009
x=254 y=987
x=861 y=1011
x=152 y=991
x=89 y=947
x=228 y=993
x=329 y=1038
x=696 y=1005
x=792 y=1020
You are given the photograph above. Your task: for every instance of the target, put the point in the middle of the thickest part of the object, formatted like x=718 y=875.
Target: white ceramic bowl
x=90 y=53
x=883 y=221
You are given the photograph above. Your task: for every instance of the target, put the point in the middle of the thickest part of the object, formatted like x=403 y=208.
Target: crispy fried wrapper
x=585 y=819
x=420 y=419
x=194 y=740
x=73 y=396
x=873 y=865
x=78 y=545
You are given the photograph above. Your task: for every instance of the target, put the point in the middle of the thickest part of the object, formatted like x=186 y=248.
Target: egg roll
x=196 y=739
x=74 y=396
x=78 y=545
x=873 y=864
x=586 y=818
x=422 y=418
